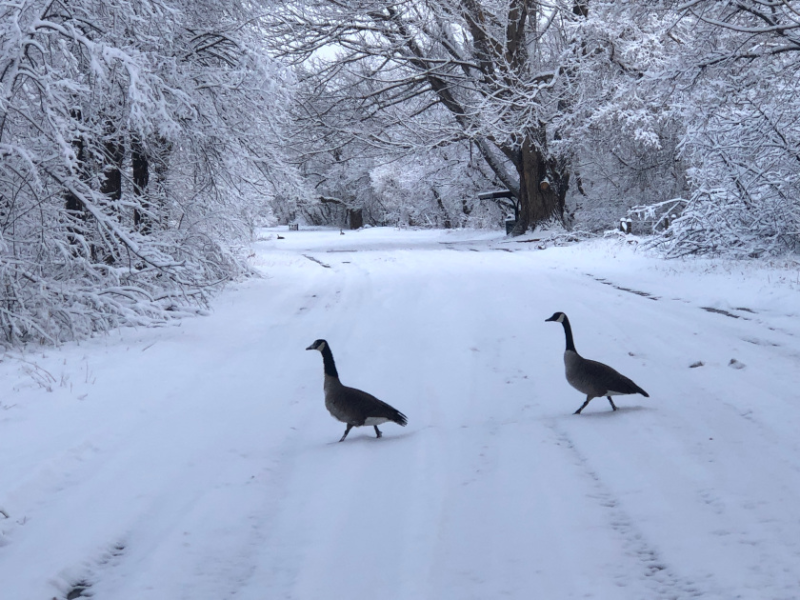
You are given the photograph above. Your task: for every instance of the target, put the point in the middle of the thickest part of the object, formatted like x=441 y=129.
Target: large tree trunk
x=73 y=206
x=111 y=186
x=114 y=151
x=140 y=165
x=543 y=187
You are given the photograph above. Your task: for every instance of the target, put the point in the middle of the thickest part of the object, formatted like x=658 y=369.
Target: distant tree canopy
x=583 y=108
x=410 y=76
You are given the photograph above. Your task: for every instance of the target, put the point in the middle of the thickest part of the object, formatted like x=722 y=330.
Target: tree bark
x=141 y=175
x=543 y=187
x=114 y=151
x=355 y=218
x=111 y=185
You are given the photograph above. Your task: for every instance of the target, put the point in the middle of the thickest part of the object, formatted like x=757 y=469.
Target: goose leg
x=588 y=399
x=614 y=406
x=377 y=431
x=346 y=431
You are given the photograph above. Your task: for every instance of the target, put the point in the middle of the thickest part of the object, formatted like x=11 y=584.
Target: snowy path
x=198 y=461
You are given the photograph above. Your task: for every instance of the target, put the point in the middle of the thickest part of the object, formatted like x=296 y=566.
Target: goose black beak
x=310 y=347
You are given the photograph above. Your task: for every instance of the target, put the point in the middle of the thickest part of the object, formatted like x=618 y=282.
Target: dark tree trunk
x=72 y=204
x=140 y=165
x=111 y=185
x=114 y=151
x=445 y=217
x=543 y=187
x=355 y=217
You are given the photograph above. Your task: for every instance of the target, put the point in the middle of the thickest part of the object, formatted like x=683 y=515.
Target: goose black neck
x=568 y=333
x=327 y=360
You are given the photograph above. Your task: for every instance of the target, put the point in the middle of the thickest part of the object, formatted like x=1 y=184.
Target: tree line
x=684 y=114
x=143 y=141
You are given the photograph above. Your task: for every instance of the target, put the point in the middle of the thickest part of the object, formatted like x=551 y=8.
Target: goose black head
x=318 y=345
x=558 y=317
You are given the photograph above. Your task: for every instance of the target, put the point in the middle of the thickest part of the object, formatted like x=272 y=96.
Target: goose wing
x=611 y=379
x=366 y=405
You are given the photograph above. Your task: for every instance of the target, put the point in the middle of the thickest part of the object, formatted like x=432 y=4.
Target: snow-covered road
x=198 y=462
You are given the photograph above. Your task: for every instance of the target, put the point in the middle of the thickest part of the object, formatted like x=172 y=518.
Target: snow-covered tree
x=438 y=187
x=621 y=128
x=491 y=73
x=736 y=84
x=135 y=137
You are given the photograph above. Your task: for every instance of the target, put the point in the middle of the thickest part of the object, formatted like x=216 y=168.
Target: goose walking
x=349 y=405
x=591 y=377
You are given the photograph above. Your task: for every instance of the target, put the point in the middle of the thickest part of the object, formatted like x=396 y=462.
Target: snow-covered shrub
x=746 y=176
x=739 y=103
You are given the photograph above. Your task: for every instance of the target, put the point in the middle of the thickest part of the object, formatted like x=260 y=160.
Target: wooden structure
x=497 y=194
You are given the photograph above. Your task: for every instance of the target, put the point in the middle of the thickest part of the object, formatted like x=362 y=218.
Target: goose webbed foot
x=346 y=431
x=588 y=399
x=377 y=431
x=614 y=406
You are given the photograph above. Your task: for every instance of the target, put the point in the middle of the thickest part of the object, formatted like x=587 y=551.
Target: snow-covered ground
x=198 y=462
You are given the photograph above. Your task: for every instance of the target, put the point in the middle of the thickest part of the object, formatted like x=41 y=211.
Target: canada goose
x=591 y=377
x=349 y=405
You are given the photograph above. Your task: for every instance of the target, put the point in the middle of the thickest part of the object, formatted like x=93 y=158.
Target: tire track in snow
x=183 y=521
x=745 y=451
x=318 y=261
x=255 y=484
x=79 y=582
x=317 y=497
x=653 y=570
x=754 y=316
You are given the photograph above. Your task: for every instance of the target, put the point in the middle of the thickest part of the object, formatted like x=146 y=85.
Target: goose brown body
x=349 y=405
x=593 y=378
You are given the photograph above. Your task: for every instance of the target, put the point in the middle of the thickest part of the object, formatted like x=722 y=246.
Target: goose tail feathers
x=398 y=418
